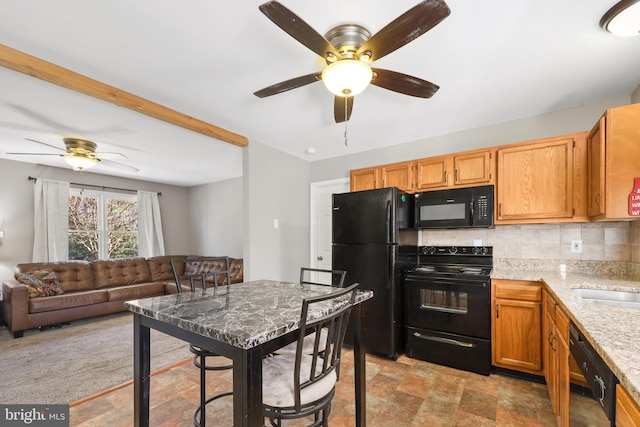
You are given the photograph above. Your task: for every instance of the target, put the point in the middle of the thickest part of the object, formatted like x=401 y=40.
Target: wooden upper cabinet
x=614 y=162
x=457 y=170
x=474 y=167
x=535 y=180
x=364 y=179
x=399 y=175
x=433 y=173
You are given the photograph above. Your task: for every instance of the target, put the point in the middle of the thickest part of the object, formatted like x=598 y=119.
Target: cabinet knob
x=320 y=258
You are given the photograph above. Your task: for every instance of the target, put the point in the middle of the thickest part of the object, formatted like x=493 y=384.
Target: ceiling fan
x=348 y=50
x=81 y=155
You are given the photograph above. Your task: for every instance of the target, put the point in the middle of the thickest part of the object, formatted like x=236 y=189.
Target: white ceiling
x=494 y=60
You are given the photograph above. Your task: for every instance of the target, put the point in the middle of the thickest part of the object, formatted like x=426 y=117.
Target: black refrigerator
x=366 y=230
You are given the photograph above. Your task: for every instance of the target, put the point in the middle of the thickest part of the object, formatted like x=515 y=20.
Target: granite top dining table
x=244 y=322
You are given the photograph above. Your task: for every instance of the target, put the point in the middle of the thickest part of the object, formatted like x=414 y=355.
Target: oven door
x=450 y=305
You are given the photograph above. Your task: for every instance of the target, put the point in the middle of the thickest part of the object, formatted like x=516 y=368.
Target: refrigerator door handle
x=391 y=237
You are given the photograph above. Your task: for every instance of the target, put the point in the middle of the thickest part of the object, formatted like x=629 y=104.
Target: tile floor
x=407 y=392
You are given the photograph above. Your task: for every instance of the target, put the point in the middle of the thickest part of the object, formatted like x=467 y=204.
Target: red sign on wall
x=634 y=199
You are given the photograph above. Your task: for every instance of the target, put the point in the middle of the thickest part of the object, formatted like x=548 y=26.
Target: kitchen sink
x=611 y=298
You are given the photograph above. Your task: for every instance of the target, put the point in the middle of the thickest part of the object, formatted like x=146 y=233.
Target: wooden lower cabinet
x=559 y=368
x=516 y=326
x=627 y=410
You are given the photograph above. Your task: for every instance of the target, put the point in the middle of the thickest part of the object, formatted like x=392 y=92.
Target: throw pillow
x=41 y=283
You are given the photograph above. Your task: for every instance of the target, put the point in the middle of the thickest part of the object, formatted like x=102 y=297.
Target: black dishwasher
x=601 y=381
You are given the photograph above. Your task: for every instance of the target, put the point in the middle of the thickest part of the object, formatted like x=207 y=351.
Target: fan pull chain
x=346 y=128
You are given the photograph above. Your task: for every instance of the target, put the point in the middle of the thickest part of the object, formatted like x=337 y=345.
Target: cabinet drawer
x=517 y=289
x=562 y=323
x=550 y=306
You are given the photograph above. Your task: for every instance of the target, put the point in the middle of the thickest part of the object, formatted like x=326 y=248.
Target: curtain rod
x=31 y=178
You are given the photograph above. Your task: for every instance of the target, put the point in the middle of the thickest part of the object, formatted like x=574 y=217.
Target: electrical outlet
x=576 y=246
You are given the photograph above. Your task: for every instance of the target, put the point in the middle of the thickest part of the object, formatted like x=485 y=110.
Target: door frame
x=340 y=185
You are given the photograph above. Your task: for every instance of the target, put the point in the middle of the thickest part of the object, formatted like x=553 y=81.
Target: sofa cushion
x=144 y=290
x=120 y=272
x=160 y=267
x=41 y=283
x=72 y=275
x=66 y=300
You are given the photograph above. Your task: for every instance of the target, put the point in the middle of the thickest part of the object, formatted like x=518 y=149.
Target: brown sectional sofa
x=92 y=289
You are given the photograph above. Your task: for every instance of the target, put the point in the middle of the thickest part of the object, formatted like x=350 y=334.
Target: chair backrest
x=316 y=276
x=204 y=271
x=325 y=357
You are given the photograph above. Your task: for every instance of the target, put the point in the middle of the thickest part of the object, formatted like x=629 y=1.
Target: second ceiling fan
x=348 y=50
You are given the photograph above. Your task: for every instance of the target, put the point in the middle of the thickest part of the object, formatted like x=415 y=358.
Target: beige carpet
x=76 y=361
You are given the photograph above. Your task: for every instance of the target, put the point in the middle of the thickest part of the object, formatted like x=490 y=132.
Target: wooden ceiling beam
x=35 y=67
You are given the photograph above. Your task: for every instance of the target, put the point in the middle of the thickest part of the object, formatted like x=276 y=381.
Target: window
x=102 y=225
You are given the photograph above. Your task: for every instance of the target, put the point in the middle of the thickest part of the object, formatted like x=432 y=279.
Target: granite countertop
x=243 y=315
x=614 y=332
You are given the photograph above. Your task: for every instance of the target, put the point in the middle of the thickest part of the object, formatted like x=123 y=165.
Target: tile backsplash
x=601 y=241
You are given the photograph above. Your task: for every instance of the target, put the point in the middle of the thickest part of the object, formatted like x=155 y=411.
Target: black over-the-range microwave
x=456 y=208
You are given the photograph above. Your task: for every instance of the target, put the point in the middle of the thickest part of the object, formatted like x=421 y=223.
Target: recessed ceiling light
x=623 y=19
x=311 y=150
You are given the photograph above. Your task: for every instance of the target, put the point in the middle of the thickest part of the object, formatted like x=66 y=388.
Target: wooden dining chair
x=300 y=384
x=315 y=276
x=201 y=273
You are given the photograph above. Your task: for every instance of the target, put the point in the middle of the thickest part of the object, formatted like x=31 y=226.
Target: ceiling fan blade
x=35 y=154
x=406 y=28
x=339 y=108
x=297 y=28
x=117 y=165
x=48 y=145
x=402 y=83
x=110 y=155
x=288 y=85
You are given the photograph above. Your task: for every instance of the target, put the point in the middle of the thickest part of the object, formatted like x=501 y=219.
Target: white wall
x=635 y=96
x=276 y=187
x=215 y=218
x=16 y=208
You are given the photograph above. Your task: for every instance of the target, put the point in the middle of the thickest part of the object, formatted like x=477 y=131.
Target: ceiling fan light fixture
x=80 y=163
x=623 y=19
x=347 y=77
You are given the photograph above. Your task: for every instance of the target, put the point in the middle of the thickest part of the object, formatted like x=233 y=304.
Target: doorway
x=320 y=221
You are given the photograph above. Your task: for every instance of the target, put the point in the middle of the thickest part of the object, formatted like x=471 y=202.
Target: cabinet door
x=535 y=181
x=596 y=166
x=517 y=342
x=550 y=357
x=364 y=179
x=473 y=168
x=627 y=411
x=398 y=175
x=564 y=361
x=433 y=173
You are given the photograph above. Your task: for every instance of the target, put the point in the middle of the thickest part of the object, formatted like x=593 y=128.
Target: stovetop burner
x=454 y=261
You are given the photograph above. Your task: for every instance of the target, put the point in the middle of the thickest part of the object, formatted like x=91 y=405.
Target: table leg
x=141 y=372
x=359 y=364
x=247 y=388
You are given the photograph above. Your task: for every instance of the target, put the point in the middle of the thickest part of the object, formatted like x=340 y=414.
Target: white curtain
x=51 y=209
x=150 y=240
